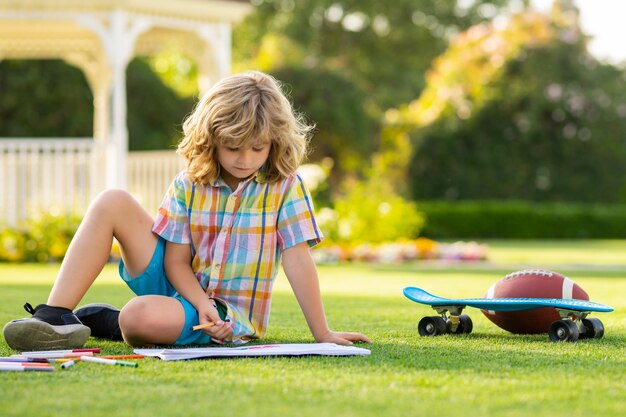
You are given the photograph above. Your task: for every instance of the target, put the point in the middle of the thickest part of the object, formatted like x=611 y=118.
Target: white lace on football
x=543 y=272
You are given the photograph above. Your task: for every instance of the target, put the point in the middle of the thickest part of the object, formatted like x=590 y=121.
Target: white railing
x=150 y=174
x=63 y=175
x=46 y=174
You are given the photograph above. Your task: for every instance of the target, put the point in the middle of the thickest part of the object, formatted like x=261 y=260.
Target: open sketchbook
x=293 y=349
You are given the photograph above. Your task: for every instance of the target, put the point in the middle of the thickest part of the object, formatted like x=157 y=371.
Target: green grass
x=487 y=373
x=573 y=253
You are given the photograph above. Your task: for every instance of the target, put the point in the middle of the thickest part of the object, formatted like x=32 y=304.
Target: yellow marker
x=123 y=357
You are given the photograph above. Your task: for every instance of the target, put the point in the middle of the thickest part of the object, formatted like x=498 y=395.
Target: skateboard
x=573 y=325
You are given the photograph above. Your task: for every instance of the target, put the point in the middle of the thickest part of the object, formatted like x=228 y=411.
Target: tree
x=384 y=46
x=44 y=98
x=520 y=112
x=49 y=98
x=342 y=128
x=377 y=54
x=155 y=112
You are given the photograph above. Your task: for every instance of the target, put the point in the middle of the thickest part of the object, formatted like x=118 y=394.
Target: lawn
x=487 y=373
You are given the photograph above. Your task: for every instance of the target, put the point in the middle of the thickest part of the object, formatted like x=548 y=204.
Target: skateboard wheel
x=594 y=329
x=432 y=326
x=465 y=325
x=563 y=331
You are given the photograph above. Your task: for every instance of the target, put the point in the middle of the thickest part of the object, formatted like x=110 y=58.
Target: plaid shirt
x=237 y=239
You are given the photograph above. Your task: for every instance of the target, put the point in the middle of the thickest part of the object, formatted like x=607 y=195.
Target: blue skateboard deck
x=505 y=304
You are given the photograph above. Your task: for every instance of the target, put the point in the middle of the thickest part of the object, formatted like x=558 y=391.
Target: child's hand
x=220 y=329
x=343 y=338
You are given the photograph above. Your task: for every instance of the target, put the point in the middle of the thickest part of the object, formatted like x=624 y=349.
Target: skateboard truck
x=575 y=325
x=450 y=320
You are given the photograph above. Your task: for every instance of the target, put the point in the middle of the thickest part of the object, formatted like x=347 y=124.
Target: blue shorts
x=154 y=282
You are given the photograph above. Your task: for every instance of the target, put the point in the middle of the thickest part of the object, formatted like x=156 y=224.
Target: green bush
x=57 y=96
x=42 y=238
x=370 y=212
x=522 y=220
x=519 y=112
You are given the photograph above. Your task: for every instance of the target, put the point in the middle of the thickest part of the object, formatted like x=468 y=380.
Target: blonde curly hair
x=244 y=110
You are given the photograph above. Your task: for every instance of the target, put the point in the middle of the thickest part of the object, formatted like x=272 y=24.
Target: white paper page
x=290 y=349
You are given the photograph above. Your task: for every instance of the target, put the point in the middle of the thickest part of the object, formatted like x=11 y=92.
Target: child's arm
x=302 y=274
x=177 y=263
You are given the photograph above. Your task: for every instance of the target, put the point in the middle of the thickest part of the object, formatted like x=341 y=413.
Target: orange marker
x=203 y=326
x=19 y=368
x=33 y=364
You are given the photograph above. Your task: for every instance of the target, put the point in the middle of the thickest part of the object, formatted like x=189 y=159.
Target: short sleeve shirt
x=237 y=238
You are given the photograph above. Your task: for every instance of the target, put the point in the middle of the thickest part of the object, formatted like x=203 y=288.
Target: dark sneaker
x=102 y=319
x=49 y=328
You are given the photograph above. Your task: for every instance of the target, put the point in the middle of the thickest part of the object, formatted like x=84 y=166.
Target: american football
x=531 y=283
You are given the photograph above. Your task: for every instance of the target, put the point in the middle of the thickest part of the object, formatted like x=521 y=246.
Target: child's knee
x=112 y=199
x=135 y=319
x=113 y=206
x=142 y=323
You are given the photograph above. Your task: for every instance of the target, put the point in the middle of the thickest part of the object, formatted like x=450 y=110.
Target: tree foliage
x=328 y=99
x=49 y=98
x=155 y=112
x=384 y=46
x=44 y=98
x=519 y=112
x=353 y=59
x=371 y=211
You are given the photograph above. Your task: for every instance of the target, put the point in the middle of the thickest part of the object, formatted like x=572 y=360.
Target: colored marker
x=20 y=368
x=56 y=355
x=203 y=326
x=108 y=361
x=63 y=360
x=22 y=359
x=43 y=352
x=123 y=357
x=22 y=363
x=68 y=364
x=45 y=365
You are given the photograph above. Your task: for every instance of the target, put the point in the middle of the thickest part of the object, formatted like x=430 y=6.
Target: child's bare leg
x=152 y=320
x=53 y=325
x=114 y=213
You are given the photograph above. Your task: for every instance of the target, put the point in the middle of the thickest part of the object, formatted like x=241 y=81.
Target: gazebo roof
x=47 y=28
x=203 y=10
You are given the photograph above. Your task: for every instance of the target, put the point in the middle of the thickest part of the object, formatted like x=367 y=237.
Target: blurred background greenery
x=445 y=119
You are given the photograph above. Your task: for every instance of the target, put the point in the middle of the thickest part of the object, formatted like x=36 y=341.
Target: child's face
x=238 y=163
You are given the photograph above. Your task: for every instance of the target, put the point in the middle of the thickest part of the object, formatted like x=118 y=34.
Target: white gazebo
x=102 y=36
